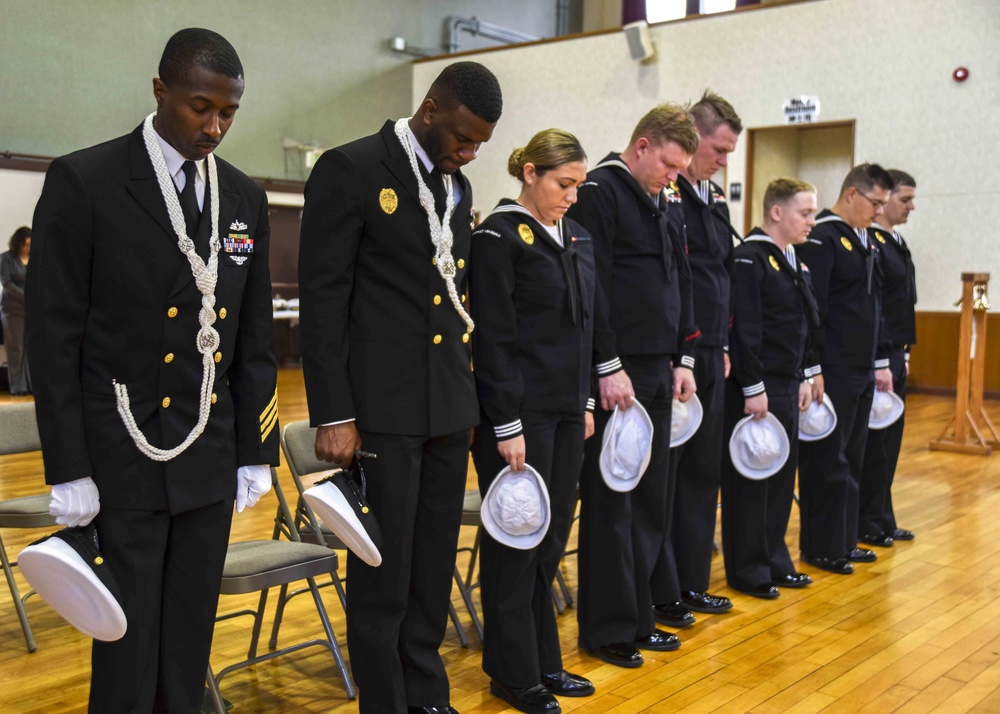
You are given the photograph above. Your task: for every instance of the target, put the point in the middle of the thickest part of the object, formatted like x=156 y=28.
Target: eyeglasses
x=876 y=204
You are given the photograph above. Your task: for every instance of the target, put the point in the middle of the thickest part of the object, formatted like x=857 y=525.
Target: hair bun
x=515 y=164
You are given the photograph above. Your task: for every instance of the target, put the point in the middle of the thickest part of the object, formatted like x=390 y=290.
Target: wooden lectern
x=970 y=430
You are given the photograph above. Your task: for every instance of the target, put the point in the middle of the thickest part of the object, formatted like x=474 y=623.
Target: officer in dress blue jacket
x=774 y=311
x=531 y=287
x=387 y=364
x=877 y=524
x=644 y=342
x=846 y=274
x=683 y=571
x=118 y=325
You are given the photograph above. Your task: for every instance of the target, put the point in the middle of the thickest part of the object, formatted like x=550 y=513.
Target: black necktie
x=189 y=202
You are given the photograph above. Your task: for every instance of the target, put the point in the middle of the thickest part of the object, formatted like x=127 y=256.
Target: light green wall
x=77 y=72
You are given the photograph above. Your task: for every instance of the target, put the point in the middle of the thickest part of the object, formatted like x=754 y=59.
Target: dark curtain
x=633 y=11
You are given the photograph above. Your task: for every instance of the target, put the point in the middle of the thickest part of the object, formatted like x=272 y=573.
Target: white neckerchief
x=862 y=234
x=440 y=228
x=554 y=231
x=789 y=251
x=205 y=276
x=704 y=190
x=895 y=234
x=174 y=164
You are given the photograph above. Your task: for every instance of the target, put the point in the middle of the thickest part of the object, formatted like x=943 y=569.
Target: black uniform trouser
x=755 y=513
x=169 y=570
x=521 y=638
x=622 y=534
x=397 y=612
x=881 y=455
x=686 y=561
x=830 y=469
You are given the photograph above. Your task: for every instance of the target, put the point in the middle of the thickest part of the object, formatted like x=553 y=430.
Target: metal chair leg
x=29 y=638
x=213 y=687
x=463 y=640
x=352 y=691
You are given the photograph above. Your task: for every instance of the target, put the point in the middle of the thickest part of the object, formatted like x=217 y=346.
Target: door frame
x=748 y=189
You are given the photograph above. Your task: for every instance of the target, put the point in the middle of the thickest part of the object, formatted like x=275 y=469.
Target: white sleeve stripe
x=612 y=365
x=510 y=429
x=753 y=390
x=591 y=404
x=881 y=363
x=813 y=371
x=687 y=361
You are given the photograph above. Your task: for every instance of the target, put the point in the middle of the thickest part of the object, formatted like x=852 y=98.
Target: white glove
x=75 y=503
x=252 y=482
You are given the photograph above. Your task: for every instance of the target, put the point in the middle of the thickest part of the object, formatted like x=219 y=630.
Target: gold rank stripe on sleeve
x=269 y=417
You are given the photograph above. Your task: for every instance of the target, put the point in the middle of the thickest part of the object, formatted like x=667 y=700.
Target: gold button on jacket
x=165 y=402
x=222 y=314
x=218 y=356
x=437 y=339
x=437 y=299
x=172 y=312
x=169 y=357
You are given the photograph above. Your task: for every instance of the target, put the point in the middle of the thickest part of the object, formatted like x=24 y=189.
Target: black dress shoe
x=567 y=684
x=620 y=654
x=903 y=534
x=841 y=566
x=703 y=602
x=431 y=710
x=765 y=591
x=534 y=700
x=881 y=540
x=674 y=614
x=791 y=580
x=862 y=555
x=659 y=641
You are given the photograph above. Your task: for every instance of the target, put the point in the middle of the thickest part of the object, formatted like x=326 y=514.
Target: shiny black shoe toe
x=704 y=602
x=879 y=540
x=903 y=534
x=791 y=580
x=840 y=566
x=431 y=710
x=674 y=614
x=567 y=684
x=533 y=700
x=659 y=641
x=765 y=591
x=620 y=654
x=862 y=555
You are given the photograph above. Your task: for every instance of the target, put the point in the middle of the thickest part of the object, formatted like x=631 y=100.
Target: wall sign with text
x=801 y=110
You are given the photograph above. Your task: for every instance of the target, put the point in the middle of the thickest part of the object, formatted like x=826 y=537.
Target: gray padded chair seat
x=246 y=562
x=26 y=512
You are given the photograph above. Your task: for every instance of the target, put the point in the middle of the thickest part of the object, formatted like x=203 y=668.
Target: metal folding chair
x=19 y=435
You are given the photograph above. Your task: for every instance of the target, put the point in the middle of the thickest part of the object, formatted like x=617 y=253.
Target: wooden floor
x=917 y=631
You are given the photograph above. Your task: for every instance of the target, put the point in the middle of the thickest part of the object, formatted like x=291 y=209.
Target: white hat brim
x=520 y=542
x=329 y=503
x=827 y=404
x=61 y=577
x=695 y=414
x=754 y=474
x=892 y=417
x=607 y=471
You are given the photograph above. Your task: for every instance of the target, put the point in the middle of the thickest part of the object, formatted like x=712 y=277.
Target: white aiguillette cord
x=441 y=235
x=205 y=277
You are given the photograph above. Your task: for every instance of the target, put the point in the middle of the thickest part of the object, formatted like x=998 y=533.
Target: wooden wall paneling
x=934 y=359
